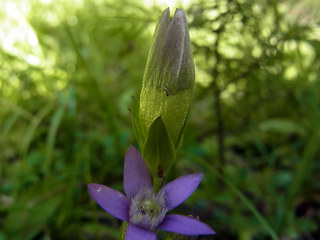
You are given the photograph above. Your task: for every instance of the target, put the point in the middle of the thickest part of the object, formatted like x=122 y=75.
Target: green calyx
x=172 y=109
x=158 y=150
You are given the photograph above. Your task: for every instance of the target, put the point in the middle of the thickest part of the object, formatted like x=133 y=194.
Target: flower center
x=147 y=209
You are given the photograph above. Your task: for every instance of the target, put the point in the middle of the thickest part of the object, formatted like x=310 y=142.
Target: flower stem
x=157 y=183
x=123 y=230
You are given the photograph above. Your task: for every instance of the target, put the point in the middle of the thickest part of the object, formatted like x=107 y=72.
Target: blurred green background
x=69 y=69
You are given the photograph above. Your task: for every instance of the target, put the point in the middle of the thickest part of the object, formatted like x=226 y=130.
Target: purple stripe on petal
x=180 y=189
x=185 y=225
x=110 y=200
x=136 y=233
x=136 y=174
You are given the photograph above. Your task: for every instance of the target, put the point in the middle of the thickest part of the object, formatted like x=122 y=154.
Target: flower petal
x=110 y=200
x=180 y=189
x=187 y=72
x=156 y=48
x=185 y=225
x=136 y=174
x=172 y=53
x=136 y=233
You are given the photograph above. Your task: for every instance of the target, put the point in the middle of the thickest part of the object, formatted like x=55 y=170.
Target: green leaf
x=158 y=150
x=284 y=126
x=27 y=138
x=51 y=138
x=27 y=220
x=33 y=210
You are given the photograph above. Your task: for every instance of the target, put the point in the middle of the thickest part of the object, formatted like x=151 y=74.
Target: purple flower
x=144 y=210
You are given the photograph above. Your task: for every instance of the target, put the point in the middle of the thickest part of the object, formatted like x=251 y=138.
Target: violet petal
x=185 y=225
x=110 y=200
x=136 y=233
x=136 y=174
x=180 y=189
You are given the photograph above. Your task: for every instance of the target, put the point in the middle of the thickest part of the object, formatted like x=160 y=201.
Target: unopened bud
x=169 y=76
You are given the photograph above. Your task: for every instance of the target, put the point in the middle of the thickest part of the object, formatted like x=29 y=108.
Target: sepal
x=158 y=150
x=138 y=128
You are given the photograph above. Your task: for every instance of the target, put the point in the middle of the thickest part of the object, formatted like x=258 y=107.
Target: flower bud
x=169 y=77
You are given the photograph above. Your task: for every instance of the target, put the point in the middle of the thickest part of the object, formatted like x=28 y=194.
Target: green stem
x=123 y=230
x=157 y=183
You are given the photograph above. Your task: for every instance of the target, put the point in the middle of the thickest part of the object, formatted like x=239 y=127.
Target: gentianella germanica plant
x=158 y=122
